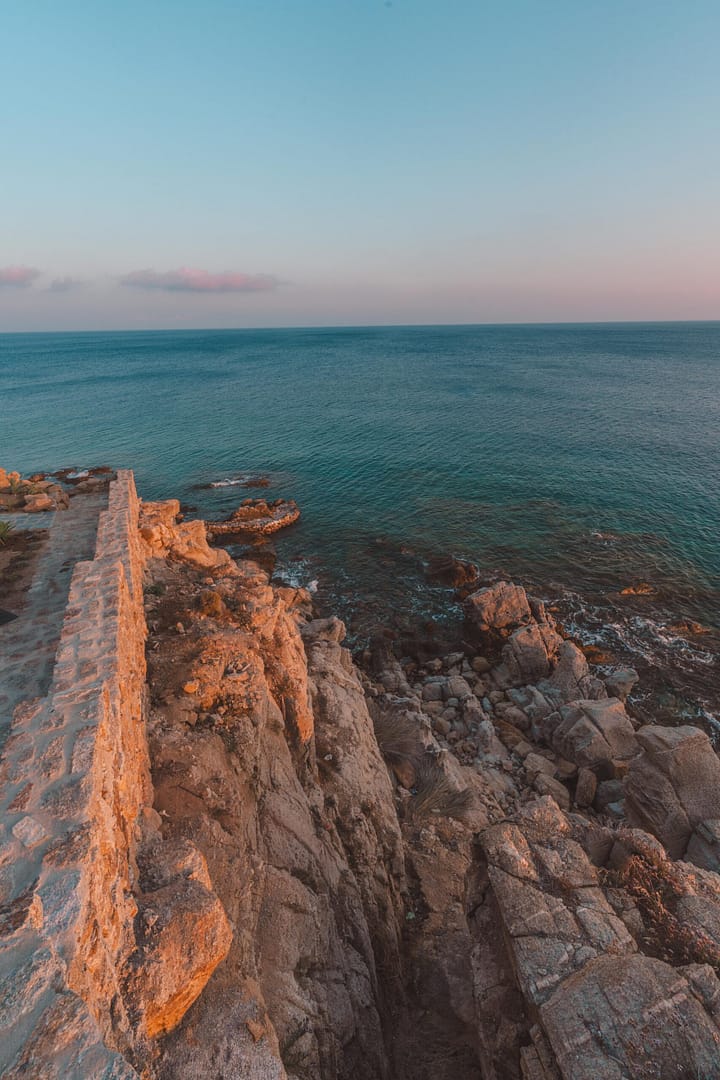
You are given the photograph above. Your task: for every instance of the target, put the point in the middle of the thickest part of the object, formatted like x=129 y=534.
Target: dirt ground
x=18 y=559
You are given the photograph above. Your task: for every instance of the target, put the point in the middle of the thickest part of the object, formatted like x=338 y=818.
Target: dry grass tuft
x=398 y=739
x=656 y=886
x=435 y=794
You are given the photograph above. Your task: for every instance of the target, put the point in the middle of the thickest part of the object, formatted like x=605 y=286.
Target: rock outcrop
x=257 y=516
x=672 y=788
x=267 y=862
x=30 y=496
x=164 y=536
x=498 y=607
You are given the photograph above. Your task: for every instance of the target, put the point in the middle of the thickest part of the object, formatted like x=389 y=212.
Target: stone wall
x=74 y=786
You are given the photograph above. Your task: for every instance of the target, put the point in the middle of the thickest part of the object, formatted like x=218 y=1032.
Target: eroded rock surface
x=421 y=868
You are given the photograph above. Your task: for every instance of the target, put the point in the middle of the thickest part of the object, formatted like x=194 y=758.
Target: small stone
x=432 y=692
x=191 y=687
x=620 y=683
x=565 y=770
x=454 y=659
x=585 y=788
x=609 y=791
x=536 y=763
x=29 y=832
x=546 y=785
x=522 y=749
x=480 y=664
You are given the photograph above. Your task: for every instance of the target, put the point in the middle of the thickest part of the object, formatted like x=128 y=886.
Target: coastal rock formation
x=30 y=496
x=230 y=851
x=498 y=607
x=163 y=536
x=672 y=788
x=257 y=516
x=596 y=734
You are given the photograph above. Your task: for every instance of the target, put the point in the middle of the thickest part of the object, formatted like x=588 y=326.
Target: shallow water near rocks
x=581 y=460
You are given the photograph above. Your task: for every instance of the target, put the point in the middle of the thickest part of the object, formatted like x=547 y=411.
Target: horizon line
x=363 y=326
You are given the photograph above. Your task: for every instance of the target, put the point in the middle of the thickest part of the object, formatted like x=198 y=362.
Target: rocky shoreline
x=519 y=914
x=404 y=865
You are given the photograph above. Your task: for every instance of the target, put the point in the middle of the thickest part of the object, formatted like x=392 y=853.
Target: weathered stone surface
x=634 y=1016
x=498 y=607
x=673 y=786
x=704 y=846
x=619 y=683
x=595 y=734
x=162 y=536
x=529 y=652
x=571 y=679
x=257 y=516
x=553 y=910
x=75 y=779
x=36 y=504
x=585 y=787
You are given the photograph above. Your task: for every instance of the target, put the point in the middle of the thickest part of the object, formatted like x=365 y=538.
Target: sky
x=349 y=162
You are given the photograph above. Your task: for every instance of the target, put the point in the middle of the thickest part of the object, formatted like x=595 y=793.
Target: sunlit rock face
x=229 y=851
x=77 y=795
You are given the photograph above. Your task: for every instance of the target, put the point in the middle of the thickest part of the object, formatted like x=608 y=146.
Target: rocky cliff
x=477 y=865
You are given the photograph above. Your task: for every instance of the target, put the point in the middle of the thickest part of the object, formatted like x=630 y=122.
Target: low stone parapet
x=75 y=795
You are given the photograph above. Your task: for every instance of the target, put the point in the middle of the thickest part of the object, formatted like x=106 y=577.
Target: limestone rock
x=571 y=678
x=163 y=537
x=257 y=516
x=585 y=787
x=704 y=846
x=35 y=504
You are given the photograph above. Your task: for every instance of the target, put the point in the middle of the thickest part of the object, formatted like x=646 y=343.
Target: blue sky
x=353 y=161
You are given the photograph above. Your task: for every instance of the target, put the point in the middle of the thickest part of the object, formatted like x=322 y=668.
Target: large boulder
x=162 y=537
x=674 y=785
x=595 y=734
x=571 y=678
x=498 y=607
x=625 y=1016
x=529 y=653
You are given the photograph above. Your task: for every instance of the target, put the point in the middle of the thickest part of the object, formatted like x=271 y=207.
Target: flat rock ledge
x=257 y=516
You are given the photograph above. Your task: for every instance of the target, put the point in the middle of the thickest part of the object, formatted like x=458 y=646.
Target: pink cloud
x=18 y=277
x=200 y=281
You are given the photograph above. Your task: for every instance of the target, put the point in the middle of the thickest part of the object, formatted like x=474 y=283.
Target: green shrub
x=6 y=528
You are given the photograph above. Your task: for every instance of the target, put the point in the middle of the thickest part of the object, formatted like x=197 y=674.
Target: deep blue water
x=582 y=456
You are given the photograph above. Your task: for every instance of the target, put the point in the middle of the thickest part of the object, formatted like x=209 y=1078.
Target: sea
x=580 y=460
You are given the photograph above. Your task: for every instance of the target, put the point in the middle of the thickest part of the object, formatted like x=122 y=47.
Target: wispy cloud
x=200 y=281
x=17 y=277
x=65 y=284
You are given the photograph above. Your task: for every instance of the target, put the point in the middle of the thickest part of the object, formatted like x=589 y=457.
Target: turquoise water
x=578 y=458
